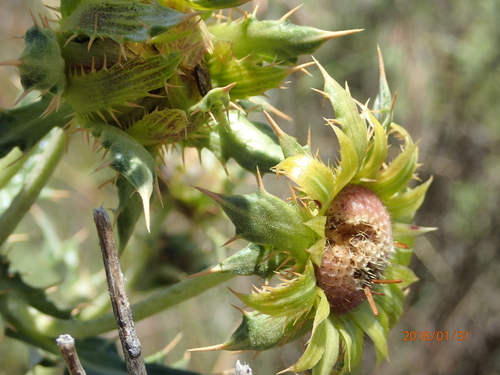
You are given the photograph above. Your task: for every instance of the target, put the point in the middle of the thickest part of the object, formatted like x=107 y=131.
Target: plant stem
x=119 y=300
x=151 y=305
x=66 y=344
x=33 y=185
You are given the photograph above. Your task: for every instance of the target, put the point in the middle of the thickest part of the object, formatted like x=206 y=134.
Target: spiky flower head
x=140 y=75
x=341 y=245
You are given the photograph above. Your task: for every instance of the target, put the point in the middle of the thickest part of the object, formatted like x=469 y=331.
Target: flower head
x=341 y=245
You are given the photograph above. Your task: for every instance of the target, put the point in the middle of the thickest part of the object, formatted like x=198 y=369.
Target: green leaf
x=377 y=150
x=251 y=77
x=383 y=105
x=352 y=339
x=295 y=297
x=261 y=332
x=43 y=67
x=404 y=205
x=399 y=172
x=214 y=4
x=36 y=297
x=130 y=159
x=364 y=318
x=266 y=220
x=317 y=343
x=312 y=176
x=331 y=351
x=128 y=211
x=348 y=163
x=106 y=89
x=272 y=41
x=33 y=184
x=159 y=127
x=24 y=127
x=251 y=144
x=254 y=259
x=123 y=21
x=346 y=115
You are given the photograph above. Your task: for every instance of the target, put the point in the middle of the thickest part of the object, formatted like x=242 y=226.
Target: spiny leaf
x=288 y=299
x=404 y=205
x=214 y=4
x=261 y=332
x=159 y=127
x=346 y=115
x=377 y=150
x=123 y=21
x=266 y=220
x=130 y=159
x=251 y=144
x=251 y=78
x=331 y=350
x=128 y=211
x=271 y=41
x=254 y=259
x=10 y=282
x=313 y=177
x=23 y=127
x=316 y=346
x=43 y=67
x=107 y=89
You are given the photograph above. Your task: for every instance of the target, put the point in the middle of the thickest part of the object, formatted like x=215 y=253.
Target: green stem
x=33 y=185
x=151 y=305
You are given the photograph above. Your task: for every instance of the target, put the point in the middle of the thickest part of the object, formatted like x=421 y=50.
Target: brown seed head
x=359 y=243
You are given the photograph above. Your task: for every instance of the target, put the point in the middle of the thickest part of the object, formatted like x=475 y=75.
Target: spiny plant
x=340 y=246
x=143 y=77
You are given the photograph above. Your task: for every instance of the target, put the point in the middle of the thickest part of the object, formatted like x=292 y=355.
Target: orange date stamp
x=436 y=336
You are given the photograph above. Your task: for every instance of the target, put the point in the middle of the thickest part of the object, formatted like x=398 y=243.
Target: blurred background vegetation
x=443 y=59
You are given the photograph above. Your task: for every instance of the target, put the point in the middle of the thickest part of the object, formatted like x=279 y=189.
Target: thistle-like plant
x=344 y=236
x=143 y=75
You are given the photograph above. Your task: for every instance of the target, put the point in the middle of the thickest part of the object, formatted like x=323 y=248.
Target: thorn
x=395 y=281
x=102 y=166
x=381 y=64
x=235 y=238
x=208 y=348
x=259 y=180
x=156 y=187
x=215 y=269
x=401 y=245
x=55 y=9
x=105 y=63
x=14 y=62
x=33 y=17
x=280 y=133
x=334 y=34
x=23 y=95
x=54 y=104
x=70 y=39
x=286 y=16
x=99 y=113
x=112 y=114
x=371 y=301
x=216 y=197
x=227 y=88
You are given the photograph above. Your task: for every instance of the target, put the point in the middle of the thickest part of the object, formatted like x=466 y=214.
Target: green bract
x=275 y=227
